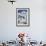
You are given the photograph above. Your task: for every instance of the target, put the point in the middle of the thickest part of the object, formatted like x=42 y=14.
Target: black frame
x=27 y=20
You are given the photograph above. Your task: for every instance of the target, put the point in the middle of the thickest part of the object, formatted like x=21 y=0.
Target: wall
x=8 y=29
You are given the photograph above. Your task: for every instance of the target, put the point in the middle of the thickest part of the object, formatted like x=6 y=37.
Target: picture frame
x=22 y=17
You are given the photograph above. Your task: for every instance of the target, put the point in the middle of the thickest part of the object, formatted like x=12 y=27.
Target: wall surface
x=37 y=29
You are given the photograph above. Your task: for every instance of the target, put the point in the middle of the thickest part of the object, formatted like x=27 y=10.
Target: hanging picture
x=22 y=16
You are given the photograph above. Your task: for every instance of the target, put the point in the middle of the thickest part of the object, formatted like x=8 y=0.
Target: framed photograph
x=22 y=17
